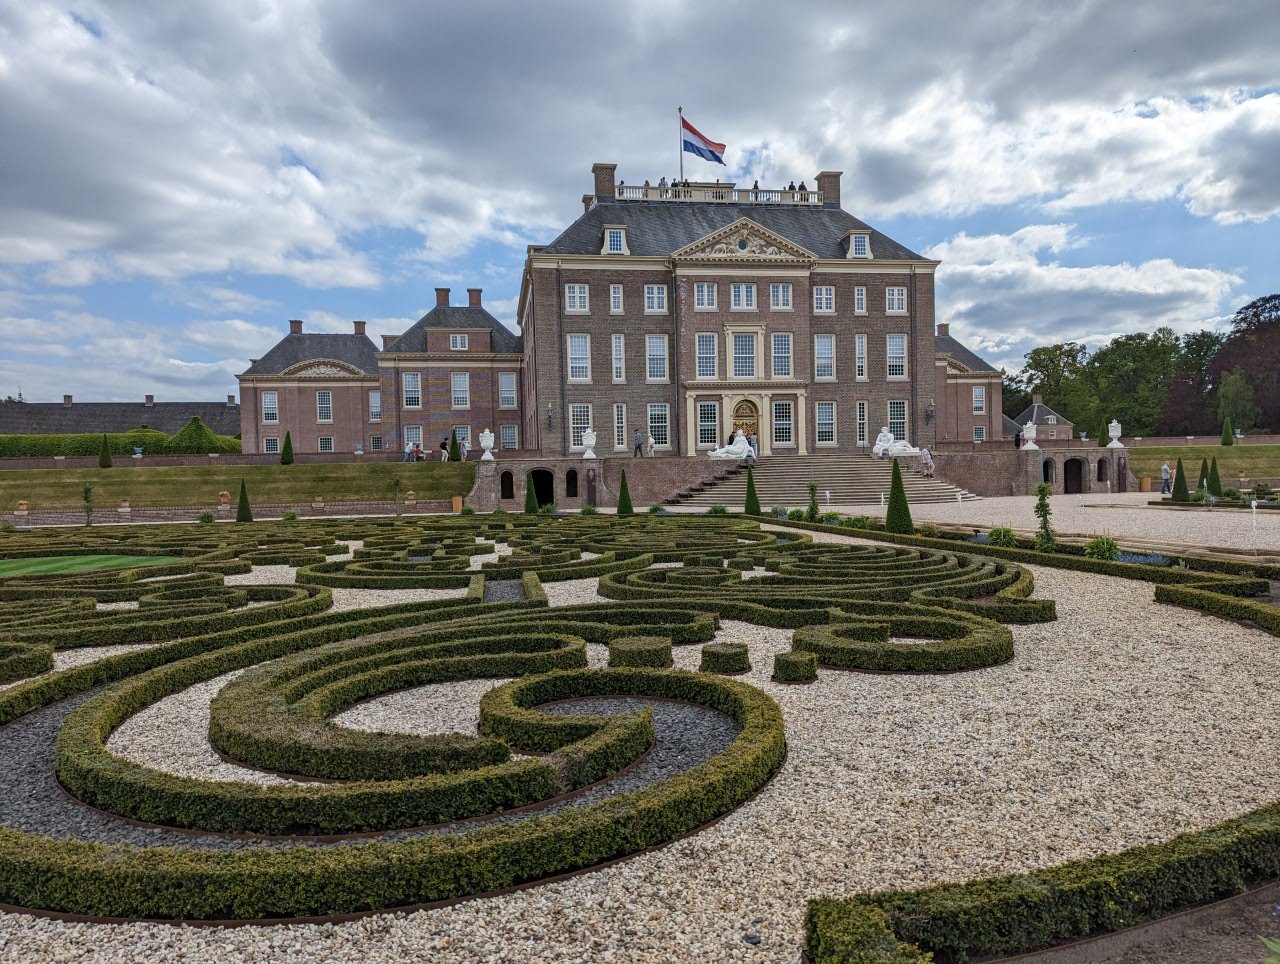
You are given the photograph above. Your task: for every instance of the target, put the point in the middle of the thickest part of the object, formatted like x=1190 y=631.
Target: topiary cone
x=1202 y=481
x=286 y=453
x=1215 y=483
x=104 y=457
x=455 y=450
x=753 y=501
x=244 y=513
x=898 y=518
x=1180 y=493
x=1228 y=435
x=530 y=497
x=624 y=497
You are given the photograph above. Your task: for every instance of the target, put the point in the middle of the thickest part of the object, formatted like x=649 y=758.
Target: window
x=744 y=355
x=271 y=406
x=506 y=389
x=324 y=405
x=862 y=423
x=579 y=358
x=457 y=342
x=615 y=299
x=660 y=423
x=509 y=438
x=708 y=424
x=860 y=357
x=704 y=296
x=781 y=355
x=412 y=382
x=895 y=300
x=979 y=433
x=1051 y=420
x=898 y=419
x=979 y=400
x=326 y=443
x=896 y=353
x=1053 y=433
x=656 y=358
x=824 y=356
x=579 y=422
x=413 y=435
x=824 y=299
x=613 y=241
x=464 y=434
x=375 y=443
x=460 y=389
x=783 y=430
x=655 y=299
x=705 y=350
x=619 y=358
x=375 y=406
x=742 y=297
x=825 y=416
x=575 y=299
x=780 y=297
x=271 y=446
x=620 y=426
x=859 y=246
x=859 y=300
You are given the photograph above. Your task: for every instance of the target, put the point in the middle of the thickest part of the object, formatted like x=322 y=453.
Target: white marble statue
x=740 y=449
x=1029 y=436
x=486 y=443
x=589 y=443
x=1113 y=430
x=887 y=447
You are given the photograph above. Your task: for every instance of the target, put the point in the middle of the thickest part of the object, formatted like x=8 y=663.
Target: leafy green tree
x=624 y=496
x=104 y=457
x=455 y=450
x=1252 y=350
x=1045 y=539
x=1180 y=493
x=286 y=453
x=530 y=497
x=753 y=501
x=1130 y=376
x=1191 y=401
x=87 y=495
x=1215 y=483
x=811 y=513
x=1015 y=397
x=1235 y=400
x=898 y=517
x=244 y=512
x=1228 y=433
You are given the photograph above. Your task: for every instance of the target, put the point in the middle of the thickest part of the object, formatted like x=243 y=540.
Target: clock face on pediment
x=744 y=240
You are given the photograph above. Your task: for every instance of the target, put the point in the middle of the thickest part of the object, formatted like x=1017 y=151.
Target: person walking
x=444 y=449
x=638 y=444
x=408 y=451
x=649 y=444
x=755 y=447
x=466 y=447
x=926 y=463
x=1166 y=479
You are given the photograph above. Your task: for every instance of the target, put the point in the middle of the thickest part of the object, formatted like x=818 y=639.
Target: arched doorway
x=508 y=486
x=1073 y=476
x=544 y=487
x=571 y=484
x=1102 y=469
x=746 y=419
x=1048 y=471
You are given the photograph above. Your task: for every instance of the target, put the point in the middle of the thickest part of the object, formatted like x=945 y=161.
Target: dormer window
x=457 y=342
x=859 y=246
x=615 y=239
x=1051 y=420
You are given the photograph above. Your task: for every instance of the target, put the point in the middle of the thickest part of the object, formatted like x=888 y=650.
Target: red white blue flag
x=704 y=147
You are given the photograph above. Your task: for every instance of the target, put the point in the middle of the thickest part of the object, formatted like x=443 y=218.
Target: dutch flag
x=704 y=147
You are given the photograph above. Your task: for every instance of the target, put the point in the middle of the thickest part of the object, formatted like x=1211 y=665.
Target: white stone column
x=690 y=425
x=766 y=425
x=800 y=420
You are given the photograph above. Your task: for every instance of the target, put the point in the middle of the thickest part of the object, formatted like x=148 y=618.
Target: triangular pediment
x=744 y=240
x=322 y=368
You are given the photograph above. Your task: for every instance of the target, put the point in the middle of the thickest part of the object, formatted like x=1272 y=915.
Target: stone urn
x=1029 y=436
x=589 y=443
x=317 y=502
x=124 y=506
x=486 y=443
x=224 y=498
x=410 y=498
x=1113 y=430
x=23 y=506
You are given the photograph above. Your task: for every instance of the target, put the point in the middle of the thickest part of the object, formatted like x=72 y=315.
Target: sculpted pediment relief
x=744 y=240
x=322 y=369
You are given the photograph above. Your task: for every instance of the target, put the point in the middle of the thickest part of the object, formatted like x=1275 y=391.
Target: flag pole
x=680 y=137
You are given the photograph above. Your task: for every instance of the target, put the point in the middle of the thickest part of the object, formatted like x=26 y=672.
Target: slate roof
x=1011 y=428
x=950 y=348
x=657 y=228
x=503 y=340
x=1039 y=413
x=54 y=418
x=355 y=350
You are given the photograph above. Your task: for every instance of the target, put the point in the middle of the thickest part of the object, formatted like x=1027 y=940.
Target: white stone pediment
x=744 y=240
x=323 y=368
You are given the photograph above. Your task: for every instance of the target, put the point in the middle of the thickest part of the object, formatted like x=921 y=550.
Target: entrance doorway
x=746 y=419
x=544 y=489
x=1073 y=476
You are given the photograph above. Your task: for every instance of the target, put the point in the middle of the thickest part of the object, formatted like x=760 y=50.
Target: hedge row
x=725 y=658
x=957 y=642
x=18 y=660
x=640 y=651
x=153 y=442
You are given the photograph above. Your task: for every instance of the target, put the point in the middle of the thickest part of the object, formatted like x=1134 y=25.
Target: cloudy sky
x=178 y=180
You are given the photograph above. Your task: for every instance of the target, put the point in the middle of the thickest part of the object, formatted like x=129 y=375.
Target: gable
x=322 y=368
x=744 y=240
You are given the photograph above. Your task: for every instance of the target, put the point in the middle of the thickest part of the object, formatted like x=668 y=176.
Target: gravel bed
x=423 y=710
x=574 y=592
x=503 y=590
x=116 y=607
x=263 y=575
x=344 y=599
x=81 y=656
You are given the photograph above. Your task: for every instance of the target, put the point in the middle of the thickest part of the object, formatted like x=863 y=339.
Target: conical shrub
x=530 y=497
x=1180 y=493
x=104 y=457
x=1202 y=481
x=286 y=453
x=1228 y=434
x=624 y=497
x=244 y=512
x=1215 y=483
x=753 y=501
x=898 y=518
x=455 y=450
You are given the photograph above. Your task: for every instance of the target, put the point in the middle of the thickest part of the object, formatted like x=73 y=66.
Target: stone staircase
x=848 y=479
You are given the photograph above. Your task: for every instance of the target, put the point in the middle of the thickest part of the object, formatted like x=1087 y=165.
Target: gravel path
x=81 y=656
x=574 y=592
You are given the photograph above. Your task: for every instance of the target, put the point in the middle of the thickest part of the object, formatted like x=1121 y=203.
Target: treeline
x=1160 y=384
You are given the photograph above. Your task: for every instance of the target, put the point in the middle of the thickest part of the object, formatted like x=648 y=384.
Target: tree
x=397 y=488
x=244 y=512
x=1235 y=400
x=1215 y=483
x=1253 y=351
x=1203 y=480
x=1015 y=398
x=530 y=496
x=624 y=496
x=87 y=495
x=1045 y=540
x=1257 y=314
x=1180 y=493
x=104 y=457
x=286 y=453
x=898 y=517
x=1191 y=401
x=753 y=501
x=1228 y=434
x=455 y=450
x=811 y=513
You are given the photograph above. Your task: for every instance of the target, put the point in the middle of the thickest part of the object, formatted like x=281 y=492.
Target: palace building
x=682 y=313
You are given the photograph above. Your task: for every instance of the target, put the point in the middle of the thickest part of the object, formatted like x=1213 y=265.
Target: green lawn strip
x=188 y=486
x=48 y=564
x=1251 y=461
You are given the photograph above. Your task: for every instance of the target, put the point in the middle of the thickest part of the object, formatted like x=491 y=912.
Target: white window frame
x=862 y=423
x=615 y=299
x=708 y=439
x=777 y=339
x=411 y=384
x=619 y=349
x=890 y=355
x=860 y=357
x=818 y=422
x=650 y=357
x=375 y=443
x=704 y=296
x=979 y=433
x=579 y=424
x=655 y=299
x=612 y=235
x=662 y=409
x=413 y=435
x=620 y=427
x=906 y=412
x=458 y=341
x=457 y=379
x=742 y=296
x=736 y=357
x=979 y=398
x=463 y=433
x=1053 y=433
x=700 y=340
x=780 y=296
x=784 y=423
x=1051 y=420
x=895 y=300
x=375 y=405
x=508 y=390
x=321 y=444
x=324 y=403
x=860 y=300
x=270 y=408
x=509 y=436
x=271 y=446
x=824 y=299
x=577 y=299
x=859 y=246
x=829 y=358
x=585 y=369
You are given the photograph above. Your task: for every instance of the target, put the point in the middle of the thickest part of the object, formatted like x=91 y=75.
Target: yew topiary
x=753 y=501
x=1180 y=493
x=898 y=518
x=624 y=497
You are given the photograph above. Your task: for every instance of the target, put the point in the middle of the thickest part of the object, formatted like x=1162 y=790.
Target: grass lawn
x=44 y=564
x=1252 y=461
x=199 y=485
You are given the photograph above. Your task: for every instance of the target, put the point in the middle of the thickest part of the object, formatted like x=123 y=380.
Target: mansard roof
x=458 y=317
x=952 y=350
x=658 y=229
x=58 y=418
x=355 y=351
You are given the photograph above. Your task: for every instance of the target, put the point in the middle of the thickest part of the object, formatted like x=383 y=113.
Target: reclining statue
x=887 y=447
x=740 y=449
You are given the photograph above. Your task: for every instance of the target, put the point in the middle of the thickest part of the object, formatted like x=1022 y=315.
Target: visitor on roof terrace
x=802 y=188
x=791 y=186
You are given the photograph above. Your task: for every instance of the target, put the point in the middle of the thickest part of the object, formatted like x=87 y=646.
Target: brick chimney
x=944 y=328
x=442 y=297
x=295 y=326
x=231 y=400
x=587 y=201
x=150 y=400
x=66 y=399
x=358 y=326
x=473 y=297
x=1035 y=399
x=606 y=182
x=829 y=185
x=387 y=340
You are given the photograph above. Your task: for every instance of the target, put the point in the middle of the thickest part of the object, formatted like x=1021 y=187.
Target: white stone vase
x=1113 y=430
x=589 y=443
x=1029 y=436
x=486 y=443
